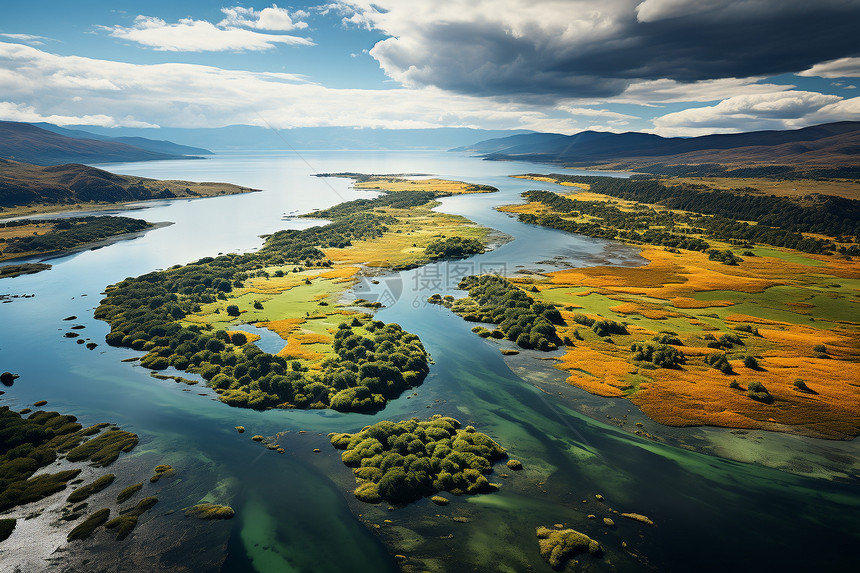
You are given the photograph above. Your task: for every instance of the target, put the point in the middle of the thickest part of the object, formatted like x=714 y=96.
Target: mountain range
x=828 y=145
x=28 y=143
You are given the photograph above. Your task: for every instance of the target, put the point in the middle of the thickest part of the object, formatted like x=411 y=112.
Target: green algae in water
x=6 y=528
x=105 y=448
x=86 y=491
x=128 y=492
x=89 y=525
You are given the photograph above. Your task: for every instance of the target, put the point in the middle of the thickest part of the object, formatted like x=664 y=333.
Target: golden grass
x=789 y=188
x=282 y=327
x=249 y=336
x=595 y=371
x=667 y=288
x=395 y=184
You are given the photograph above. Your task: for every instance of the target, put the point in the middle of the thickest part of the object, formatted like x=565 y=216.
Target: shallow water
x=295 y=511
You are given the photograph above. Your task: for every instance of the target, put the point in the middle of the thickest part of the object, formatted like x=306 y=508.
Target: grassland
x=794 y=317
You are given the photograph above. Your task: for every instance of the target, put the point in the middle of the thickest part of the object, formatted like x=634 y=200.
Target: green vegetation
x=86 y=491
x=558 y=546
x=7 y=526
x=454 y=248
x=125 y=523
x=128 y=492
x=719 y=361
x=210 y=511
x=758 y=392
x=8 y=271
x=161 y=470
x=66 y=234
x=404 y=461
x=89 y=525
x=493 y=299
x=105 y=448
x=661 y=355
x=780 y=221
x=66 y=187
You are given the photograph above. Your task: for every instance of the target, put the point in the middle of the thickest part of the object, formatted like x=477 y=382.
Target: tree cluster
x=72 y=232
x=493 y=299
x=404 y=461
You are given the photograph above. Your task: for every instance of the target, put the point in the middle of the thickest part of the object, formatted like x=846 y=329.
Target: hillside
x=69 y=185
x=834 y=145
x=157 y=145
x=30 y=144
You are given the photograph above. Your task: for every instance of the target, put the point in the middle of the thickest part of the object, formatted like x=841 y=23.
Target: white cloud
x=780 y=110
x=38 y=85
x=841 y=68
x=16 y=112
x=190 y=35
x=273 y=18
x=588 y=112
x=27 y=38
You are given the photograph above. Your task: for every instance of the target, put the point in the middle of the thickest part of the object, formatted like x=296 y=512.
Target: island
x=334 y=355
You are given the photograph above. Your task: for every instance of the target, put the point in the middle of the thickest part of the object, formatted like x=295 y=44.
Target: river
x=295 y=511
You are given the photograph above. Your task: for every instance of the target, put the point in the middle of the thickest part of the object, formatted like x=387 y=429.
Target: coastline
x=778 y=447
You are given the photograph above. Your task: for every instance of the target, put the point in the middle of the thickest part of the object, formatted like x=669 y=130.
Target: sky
x=670 y=67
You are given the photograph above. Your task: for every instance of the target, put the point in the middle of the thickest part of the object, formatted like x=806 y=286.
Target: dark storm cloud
x=595 y=49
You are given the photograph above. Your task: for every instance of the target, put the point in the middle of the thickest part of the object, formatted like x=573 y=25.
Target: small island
x=400 y=462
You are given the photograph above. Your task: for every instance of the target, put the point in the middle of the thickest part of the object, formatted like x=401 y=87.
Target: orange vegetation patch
x=339 y=273
x=297 y=350
x=596 y=372
x=312 y=338
x=696 y=396
x=249 y=336
x=651 y=311
x=395 y=184
x=282 y=327
x=552 y=180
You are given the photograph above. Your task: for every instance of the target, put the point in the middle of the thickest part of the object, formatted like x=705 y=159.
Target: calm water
x=295 y=512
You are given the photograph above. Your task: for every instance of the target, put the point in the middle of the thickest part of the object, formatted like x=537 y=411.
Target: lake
x=295 y=512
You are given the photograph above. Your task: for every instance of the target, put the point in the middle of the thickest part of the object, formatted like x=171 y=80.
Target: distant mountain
x=159 y=146
x=249 y=137
x=30 y=144
x=831 y=145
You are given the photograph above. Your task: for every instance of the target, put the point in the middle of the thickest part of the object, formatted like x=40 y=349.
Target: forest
x=665 y=227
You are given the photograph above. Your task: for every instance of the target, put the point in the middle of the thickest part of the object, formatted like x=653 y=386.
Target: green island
x=742 y=324
x=334 y=356
x=30 y=237
x=400 y=462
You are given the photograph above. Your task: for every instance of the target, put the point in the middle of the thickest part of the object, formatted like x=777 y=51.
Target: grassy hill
x=70 y=185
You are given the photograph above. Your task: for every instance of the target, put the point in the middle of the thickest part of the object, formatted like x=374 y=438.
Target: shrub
x=758 y=392
x=232 y=310
x=751 y=362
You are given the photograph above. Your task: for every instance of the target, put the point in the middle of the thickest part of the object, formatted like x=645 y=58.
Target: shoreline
x=823 y=458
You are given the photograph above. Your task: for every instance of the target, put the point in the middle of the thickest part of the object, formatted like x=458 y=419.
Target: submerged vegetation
x=29 y=444
x=404 y=461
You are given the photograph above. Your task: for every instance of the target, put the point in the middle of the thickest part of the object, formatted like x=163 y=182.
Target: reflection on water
x=295 y=511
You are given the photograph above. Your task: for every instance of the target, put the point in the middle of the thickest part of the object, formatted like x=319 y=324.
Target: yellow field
x=394 y=184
